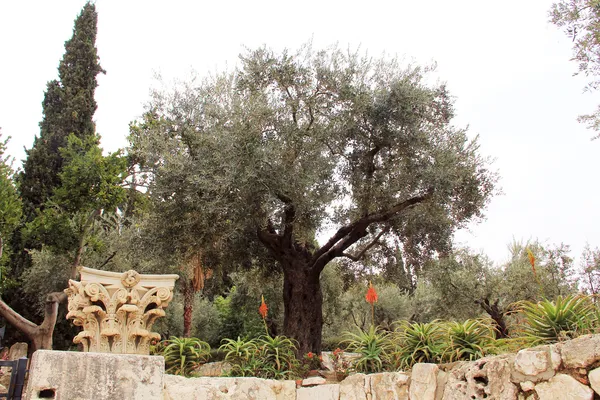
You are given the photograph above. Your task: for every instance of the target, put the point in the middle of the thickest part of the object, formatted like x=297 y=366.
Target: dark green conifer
x=68 y=107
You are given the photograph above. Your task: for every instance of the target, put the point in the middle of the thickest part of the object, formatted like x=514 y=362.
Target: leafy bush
x=265 y=357
x=550 y=321
x=468 y=341
x=418 y=343
x=183 y=355
x=374 y=346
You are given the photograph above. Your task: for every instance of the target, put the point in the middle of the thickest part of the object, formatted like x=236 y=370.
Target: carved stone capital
x=117 y=310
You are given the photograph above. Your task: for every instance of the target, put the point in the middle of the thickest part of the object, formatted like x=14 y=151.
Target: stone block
x=594 y=377
x=389 y=385
x=563 y=387
x=68 y=375
x=314 y=380
x=533 y=365
x=321 y=392
x=423 y=382
x=581 y=352
x=180 y=388
x=355 y=387
x=17 y=350
x=487 y=378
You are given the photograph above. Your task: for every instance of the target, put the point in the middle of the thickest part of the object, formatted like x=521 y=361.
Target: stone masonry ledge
x=66 y=375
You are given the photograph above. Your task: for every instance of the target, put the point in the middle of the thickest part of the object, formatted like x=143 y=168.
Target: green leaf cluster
x=184 y=355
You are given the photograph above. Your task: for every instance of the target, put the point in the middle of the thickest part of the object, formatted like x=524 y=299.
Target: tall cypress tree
x=68 y=107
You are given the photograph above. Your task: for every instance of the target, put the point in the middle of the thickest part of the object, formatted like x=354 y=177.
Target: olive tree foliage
x=260 y=161
x=468 y=284
x=580 y=20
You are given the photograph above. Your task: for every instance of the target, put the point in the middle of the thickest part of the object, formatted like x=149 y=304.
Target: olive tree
x=287 y=148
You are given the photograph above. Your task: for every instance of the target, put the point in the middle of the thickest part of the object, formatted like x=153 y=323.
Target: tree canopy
x=288 y=148
x=581 y=21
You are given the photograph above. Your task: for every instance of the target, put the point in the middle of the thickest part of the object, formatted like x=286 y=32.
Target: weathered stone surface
x=214 y=369
x=442 y=379
x=314 y=380
x=180 y=388
x=322 y=392
x=17 y=350
x=389 y=385
x=563 y=387
x=555 y=356
x=594 y=377
x=527 y=386
x=533 y=365
x=487 y=378
x=581 y=352
x=95 y=376
x=423 y=382
x=355 y=387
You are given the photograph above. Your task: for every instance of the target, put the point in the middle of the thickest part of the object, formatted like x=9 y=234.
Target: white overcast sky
x=507 y=66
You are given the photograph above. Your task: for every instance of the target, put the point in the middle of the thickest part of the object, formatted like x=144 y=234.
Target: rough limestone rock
x=355 y=387
x=594 y=377
x=17 y=350
x=66 y=375
x=533 y=365
x=563 y=387
x=321 y=392
x=390 y=385
x=214 y=369
x=581 y=352
x=314 y=380
x=487 y=378
x=423 y=382
x=442 y=379
x=180 y=388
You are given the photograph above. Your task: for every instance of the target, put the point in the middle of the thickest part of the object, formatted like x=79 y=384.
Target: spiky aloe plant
x=418 y=343
x=183 y=355
x=468 y=340
x=550 y=321
x=278 y=355
x=373 y=345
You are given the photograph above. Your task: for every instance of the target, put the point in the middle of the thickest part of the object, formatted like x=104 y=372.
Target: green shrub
x=183 y=355
x=264 y=357
x=373 y=346
x=468 y=341
x=418 y=343
x=565 y=318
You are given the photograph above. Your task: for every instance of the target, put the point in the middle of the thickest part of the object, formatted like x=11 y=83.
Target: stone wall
x=562 y=371
x=569 y=370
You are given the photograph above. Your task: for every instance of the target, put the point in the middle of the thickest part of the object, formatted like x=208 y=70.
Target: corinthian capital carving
x=117 y=310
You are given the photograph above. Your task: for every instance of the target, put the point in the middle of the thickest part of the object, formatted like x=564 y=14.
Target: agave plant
x=469 y=340
x=550 y=321
x=183 y=355
x=374 y=346
x=279 y=356
x=418 y=343
x=238 y=351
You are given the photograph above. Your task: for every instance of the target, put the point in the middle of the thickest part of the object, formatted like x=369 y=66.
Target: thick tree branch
x=367 y=247
x=16 y=320
x=347 y=235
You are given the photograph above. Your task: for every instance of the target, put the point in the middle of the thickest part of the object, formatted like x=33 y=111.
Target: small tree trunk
x=188 y=306
x=303 y=303
x=497 y=315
